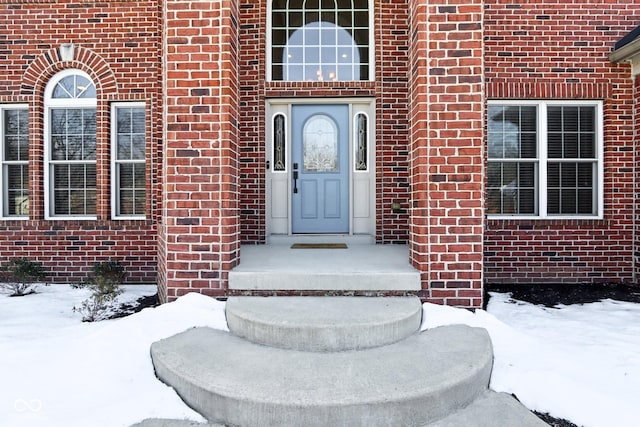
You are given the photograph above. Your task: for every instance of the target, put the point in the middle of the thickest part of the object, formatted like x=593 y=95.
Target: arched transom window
x=70 y=101
x=320 y=40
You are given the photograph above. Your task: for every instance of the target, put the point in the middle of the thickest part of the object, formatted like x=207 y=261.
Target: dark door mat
x=319 y=246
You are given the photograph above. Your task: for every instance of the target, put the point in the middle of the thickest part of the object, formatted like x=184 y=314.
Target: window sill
x=544 y=218
x=129 y=218
x=71 y=218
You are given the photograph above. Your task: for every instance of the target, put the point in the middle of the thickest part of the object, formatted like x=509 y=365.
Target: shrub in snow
x=20 y=275
x=104 y=285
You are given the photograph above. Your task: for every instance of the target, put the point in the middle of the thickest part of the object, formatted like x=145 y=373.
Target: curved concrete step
x=410 y=383
x=492 y=410
x=324 y=323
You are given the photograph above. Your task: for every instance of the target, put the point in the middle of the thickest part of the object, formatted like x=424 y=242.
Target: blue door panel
x=309 y=199
x=332 y=198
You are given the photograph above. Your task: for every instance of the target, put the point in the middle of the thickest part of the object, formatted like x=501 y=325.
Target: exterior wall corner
x=199 y=234
x=446 y=149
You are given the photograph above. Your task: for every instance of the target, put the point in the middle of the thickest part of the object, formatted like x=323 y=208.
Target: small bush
x=110 y=270
x=20 y=275
x=104 y=285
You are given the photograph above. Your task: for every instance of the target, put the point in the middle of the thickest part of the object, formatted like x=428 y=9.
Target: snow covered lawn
x=579 y=362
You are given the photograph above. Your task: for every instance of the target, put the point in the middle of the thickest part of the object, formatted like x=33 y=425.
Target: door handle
x=295 y=178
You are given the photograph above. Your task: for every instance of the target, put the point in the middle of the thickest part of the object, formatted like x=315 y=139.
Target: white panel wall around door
x=280 y=172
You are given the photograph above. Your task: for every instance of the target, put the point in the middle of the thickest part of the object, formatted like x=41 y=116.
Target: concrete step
x=324 y=323
x=164 y=422
x=492 y=410
x=358 y=268
x=413 y=382
x=489 y=410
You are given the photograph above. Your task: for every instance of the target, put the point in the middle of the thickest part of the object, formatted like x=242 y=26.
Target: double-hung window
x=14 y=156
x=128 y=160
x=70 y=147
x=545 y=159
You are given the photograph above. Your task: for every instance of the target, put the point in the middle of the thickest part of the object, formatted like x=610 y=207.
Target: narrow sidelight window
x=361 y=142
x=14 y=131
x=128 y=165
x=279 y=143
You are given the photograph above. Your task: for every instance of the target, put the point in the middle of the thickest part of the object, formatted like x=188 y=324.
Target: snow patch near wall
x=578 y=362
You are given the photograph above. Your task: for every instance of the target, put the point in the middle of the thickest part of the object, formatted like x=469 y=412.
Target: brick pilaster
x=199 y=234
x=636 y=138
x=446 y=111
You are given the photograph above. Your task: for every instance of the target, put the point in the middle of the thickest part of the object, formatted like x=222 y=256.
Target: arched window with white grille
x=320 y=40
x=70 y=147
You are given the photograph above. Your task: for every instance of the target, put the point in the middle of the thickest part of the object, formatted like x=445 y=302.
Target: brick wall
x=391 y=93
x=636 y=138
x=206 y=183
x=446 y=149
x=252 y=67
x=559 y=50
x=392 y=128
x=117 y=44
x=199 y=236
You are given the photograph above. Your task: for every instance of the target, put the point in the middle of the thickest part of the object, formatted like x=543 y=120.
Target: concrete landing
x=414 y=382
x=324 y=323
x=360 y=267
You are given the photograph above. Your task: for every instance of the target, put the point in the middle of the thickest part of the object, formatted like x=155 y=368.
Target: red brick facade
x=446 y=149
x=200 y=67
x=560 y=51
x=636 y=137
x=199 y=235
x=118 y=45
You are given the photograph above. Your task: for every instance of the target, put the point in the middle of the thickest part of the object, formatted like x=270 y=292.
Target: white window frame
x=115 y=185
x=542 y=159
x=372 y=44
x=49 y=104
x=3 y=179
x=354 y=163
x=272 y=166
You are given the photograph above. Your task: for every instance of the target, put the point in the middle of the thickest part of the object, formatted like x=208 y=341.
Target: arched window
x=320 y=144
x=70 y=124
x=320 y=40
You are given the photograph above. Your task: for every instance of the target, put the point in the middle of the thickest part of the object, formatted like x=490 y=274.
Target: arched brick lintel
x=49 y=63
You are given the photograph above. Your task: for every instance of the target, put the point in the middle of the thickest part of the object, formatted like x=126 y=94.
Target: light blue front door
x=320 y=168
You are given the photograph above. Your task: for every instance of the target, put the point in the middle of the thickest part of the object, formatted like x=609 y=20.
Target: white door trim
x=362 y=184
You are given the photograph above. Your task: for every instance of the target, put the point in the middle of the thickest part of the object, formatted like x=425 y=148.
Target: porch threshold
x=358 y=268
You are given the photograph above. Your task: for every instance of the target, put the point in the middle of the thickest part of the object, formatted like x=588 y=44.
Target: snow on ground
x=579 y=362
x=56 y=371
